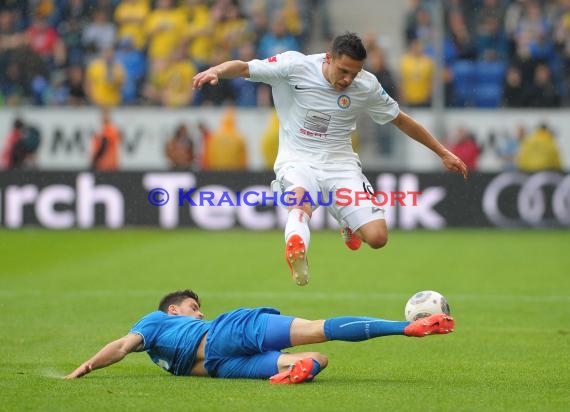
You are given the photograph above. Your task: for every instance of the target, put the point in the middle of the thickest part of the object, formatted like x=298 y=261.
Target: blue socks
x=316 y=369
x=356 y=329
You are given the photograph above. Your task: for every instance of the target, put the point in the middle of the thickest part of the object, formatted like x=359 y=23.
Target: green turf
x=65 y=294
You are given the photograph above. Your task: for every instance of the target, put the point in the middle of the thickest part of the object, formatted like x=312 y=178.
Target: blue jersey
x=233 y=339
x=171 y=341
x=234 y=335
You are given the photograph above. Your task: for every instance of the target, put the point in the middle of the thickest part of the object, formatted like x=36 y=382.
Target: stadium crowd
x=133 y=52
x=497 y=53
x=145 y=52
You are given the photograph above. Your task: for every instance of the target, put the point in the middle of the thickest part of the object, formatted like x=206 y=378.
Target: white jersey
x=316 y=121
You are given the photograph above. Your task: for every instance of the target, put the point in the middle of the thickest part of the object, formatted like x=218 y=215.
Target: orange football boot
x=352 y=241
x=299 y=372
x=296 y=257
x=440 y=323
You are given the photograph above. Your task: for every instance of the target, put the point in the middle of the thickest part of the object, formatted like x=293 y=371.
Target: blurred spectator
x=98 y=35
x=134 y=63
x=513 y=14
x=231 y=28
x=507 y=147
x=57 y=93
x=11 y=40
x=13 y=85
x=199 y=32
x=75 y=16
x=419 y=25
x=539 y=151
x=322 y=20
x=12 y=140
x=22 y=144
x=226 y=149
x=180 y=149
x=130 y=16
x=562 y=38
x=543 y=92
x=221 y=94
x=412 y=9
x=206 y=137
x=490 y=10
x=295 y=13
x=417 y=70
x=174 y=84
x=270 y=141
x=164 y=29
x=376 y=64
x=514 y=94
x=105 y=145
x=491 y=42
x=44 y=41
x=533 y=34
x=245 y=92
x=76 y=85
x=104 y=80
x=39 y=37
x=466 y=148
x=107 y=6
x=458 y=43
x=258 y=21
x=278 y=39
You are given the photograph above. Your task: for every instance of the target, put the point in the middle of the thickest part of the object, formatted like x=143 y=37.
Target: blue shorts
x=246 y=343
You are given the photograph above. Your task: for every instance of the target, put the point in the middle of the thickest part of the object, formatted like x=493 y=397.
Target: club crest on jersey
x=343 y=101
x=272 y=59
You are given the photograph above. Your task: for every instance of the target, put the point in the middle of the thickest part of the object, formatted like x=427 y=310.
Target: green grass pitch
x=65 y=294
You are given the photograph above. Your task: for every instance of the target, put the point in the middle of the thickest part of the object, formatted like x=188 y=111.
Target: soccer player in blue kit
x=245 y=343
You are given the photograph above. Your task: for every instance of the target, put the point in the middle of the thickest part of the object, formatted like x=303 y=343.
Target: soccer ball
x=425 y=303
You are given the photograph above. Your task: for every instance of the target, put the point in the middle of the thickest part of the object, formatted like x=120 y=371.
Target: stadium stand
x=484 y=37
x=47 y=45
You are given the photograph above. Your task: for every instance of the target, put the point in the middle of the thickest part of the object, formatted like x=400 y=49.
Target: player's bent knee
x=377 y=241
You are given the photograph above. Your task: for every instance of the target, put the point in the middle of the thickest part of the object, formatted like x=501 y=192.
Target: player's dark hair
x=350 y=44
x=176 y=298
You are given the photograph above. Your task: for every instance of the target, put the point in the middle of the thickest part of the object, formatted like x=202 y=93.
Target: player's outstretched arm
x=226 y=70
x=419 y=133
x=111 y=353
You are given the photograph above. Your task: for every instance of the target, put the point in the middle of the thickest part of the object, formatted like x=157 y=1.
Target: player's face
x=188 y=307
x=341 y=70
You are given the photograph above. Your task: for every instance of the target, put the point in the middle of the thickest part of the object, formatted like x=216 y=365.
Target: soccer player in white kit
x=318 y=99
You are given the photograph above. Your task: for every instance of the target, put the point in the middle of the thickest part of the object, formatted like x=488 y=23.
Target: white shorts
x=346 y=193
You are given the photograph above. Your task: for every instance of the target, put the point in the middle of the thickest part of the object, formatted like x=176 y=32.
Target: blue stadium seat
x=488 y=95
x=489 y=81
x=490 y=72
x=463 y=83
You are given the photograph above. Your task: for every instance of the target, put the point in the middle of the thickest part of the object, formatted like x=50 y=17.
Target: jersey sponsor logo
x=272 y=59
x=312 y=134
x=317 y=121
x=343 y=101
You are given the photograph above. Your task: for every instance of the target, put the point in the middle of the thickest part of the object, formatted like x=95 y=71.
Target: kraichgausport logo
x=340 y=197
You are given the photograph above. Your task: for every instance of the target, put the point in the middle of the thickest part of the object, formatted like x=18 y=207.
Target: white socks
x=298 y=224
